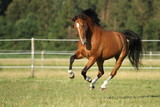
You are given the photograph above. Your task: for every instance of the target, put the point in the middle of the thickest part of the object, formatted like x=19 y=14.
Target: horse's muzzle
x=85 y=43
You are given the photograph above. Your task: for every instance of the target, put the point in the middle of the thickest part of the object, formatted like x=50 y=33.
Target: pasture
x=53 y=88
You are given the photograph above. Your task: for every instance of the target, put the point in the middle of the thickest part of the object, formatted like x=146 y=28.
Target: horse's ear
x=71 y=19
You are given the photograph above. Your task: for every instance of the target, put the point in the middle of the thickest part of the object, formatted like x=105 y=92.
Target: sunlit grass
x=53 y=88
x=65 y=62
x=51 y=73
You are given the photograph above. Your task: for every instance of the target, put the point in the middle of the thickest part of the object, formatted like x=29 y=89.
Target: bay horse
x=98 y=45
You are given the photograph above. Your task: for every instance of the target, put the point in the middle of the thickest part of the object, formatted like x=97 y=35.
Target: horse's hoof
x=71 y=75
x=102 y=89
x=89 y=79
x=92 y=87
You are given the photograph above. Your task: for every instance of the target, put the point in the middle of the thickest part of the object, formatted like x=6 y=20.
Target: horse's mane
x=90 y=13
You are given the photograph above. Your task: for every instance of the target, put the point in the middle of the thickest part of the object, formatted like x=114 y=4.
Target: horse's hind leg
x=119 y=60
x=100 y=73
x=77 y=55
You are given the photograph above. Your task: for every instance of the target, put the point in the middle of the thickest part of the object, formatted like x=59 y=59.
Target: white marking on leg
x=106 y=82
x=93 y=82
x=69 y=71
x=70 y=74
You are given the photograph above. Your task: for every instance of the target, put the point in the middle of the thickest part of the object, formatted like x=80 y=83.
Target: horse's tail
x=135 y=48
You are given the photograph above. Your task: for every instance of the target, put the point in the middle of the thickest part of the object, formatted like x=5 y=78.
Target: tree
x=7 y=29
x=152 y=31
x=133 y=24
x=3 y=6
x=17 y=10
x=27 y=27
x=49 y=19
x=45 y=12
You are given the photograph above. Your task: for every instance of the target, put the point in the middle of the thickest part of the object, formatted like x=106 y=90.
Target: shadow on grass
x=130 y=97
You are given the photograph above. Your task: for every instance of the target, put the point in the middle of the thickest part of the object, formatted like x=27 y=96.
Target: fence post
x=150 y=57
x=32 y=57
x=42 y=58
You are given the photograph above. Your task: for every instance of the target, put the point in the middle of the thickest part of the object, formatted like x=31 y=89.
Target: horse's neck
x=93 y=38
x=95 y=33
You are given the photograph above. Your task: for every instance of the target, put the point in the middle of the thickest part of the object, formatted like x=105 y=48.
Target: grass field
x=53 y=88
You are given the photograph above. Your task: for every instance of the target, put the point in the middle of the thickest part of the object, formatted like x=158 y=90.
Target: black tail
x=135 y=48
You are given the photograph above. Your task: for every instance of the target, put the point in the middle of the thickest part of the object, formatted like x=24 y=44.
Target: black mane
x=90 y=13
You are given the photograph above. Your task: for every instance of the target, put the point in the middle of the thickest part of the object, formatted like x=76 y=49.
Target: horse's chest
x=89 y=53
x=85 y=53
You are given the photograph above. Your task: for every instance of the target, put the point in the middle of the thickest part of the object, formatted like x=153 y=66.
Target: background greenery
x=48 y=19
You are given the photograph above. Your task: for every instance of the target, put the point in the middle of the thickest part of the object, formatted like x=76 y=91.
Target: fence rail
x=33 y=52
x=78 y=67
x=61 y=40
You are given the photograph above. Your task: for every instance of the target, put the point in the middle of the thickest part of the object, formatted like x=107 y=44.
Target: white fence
x=32 y=52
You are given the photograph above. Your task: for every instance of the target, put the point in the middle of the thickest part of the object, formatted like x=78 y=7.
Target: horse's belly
x=111 y=53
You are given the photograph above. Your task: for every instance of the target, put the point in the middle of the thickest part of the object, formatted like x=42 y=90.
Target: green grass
x=55 y=89
x=59 y=61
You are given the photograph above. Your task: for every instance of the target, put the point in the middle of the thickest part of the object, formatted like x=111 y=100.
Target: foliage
x=48 y=19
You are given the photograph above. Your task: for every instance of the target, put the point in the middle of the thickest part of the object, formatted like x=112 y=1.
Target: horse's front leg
x=91 y=61
x=77 y=55
x=100 y=73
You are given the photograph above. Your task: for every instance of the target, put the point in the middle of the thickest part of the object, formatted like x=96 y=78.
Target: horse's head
x=81 y=23
x=82 y=28
x=84 y=23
